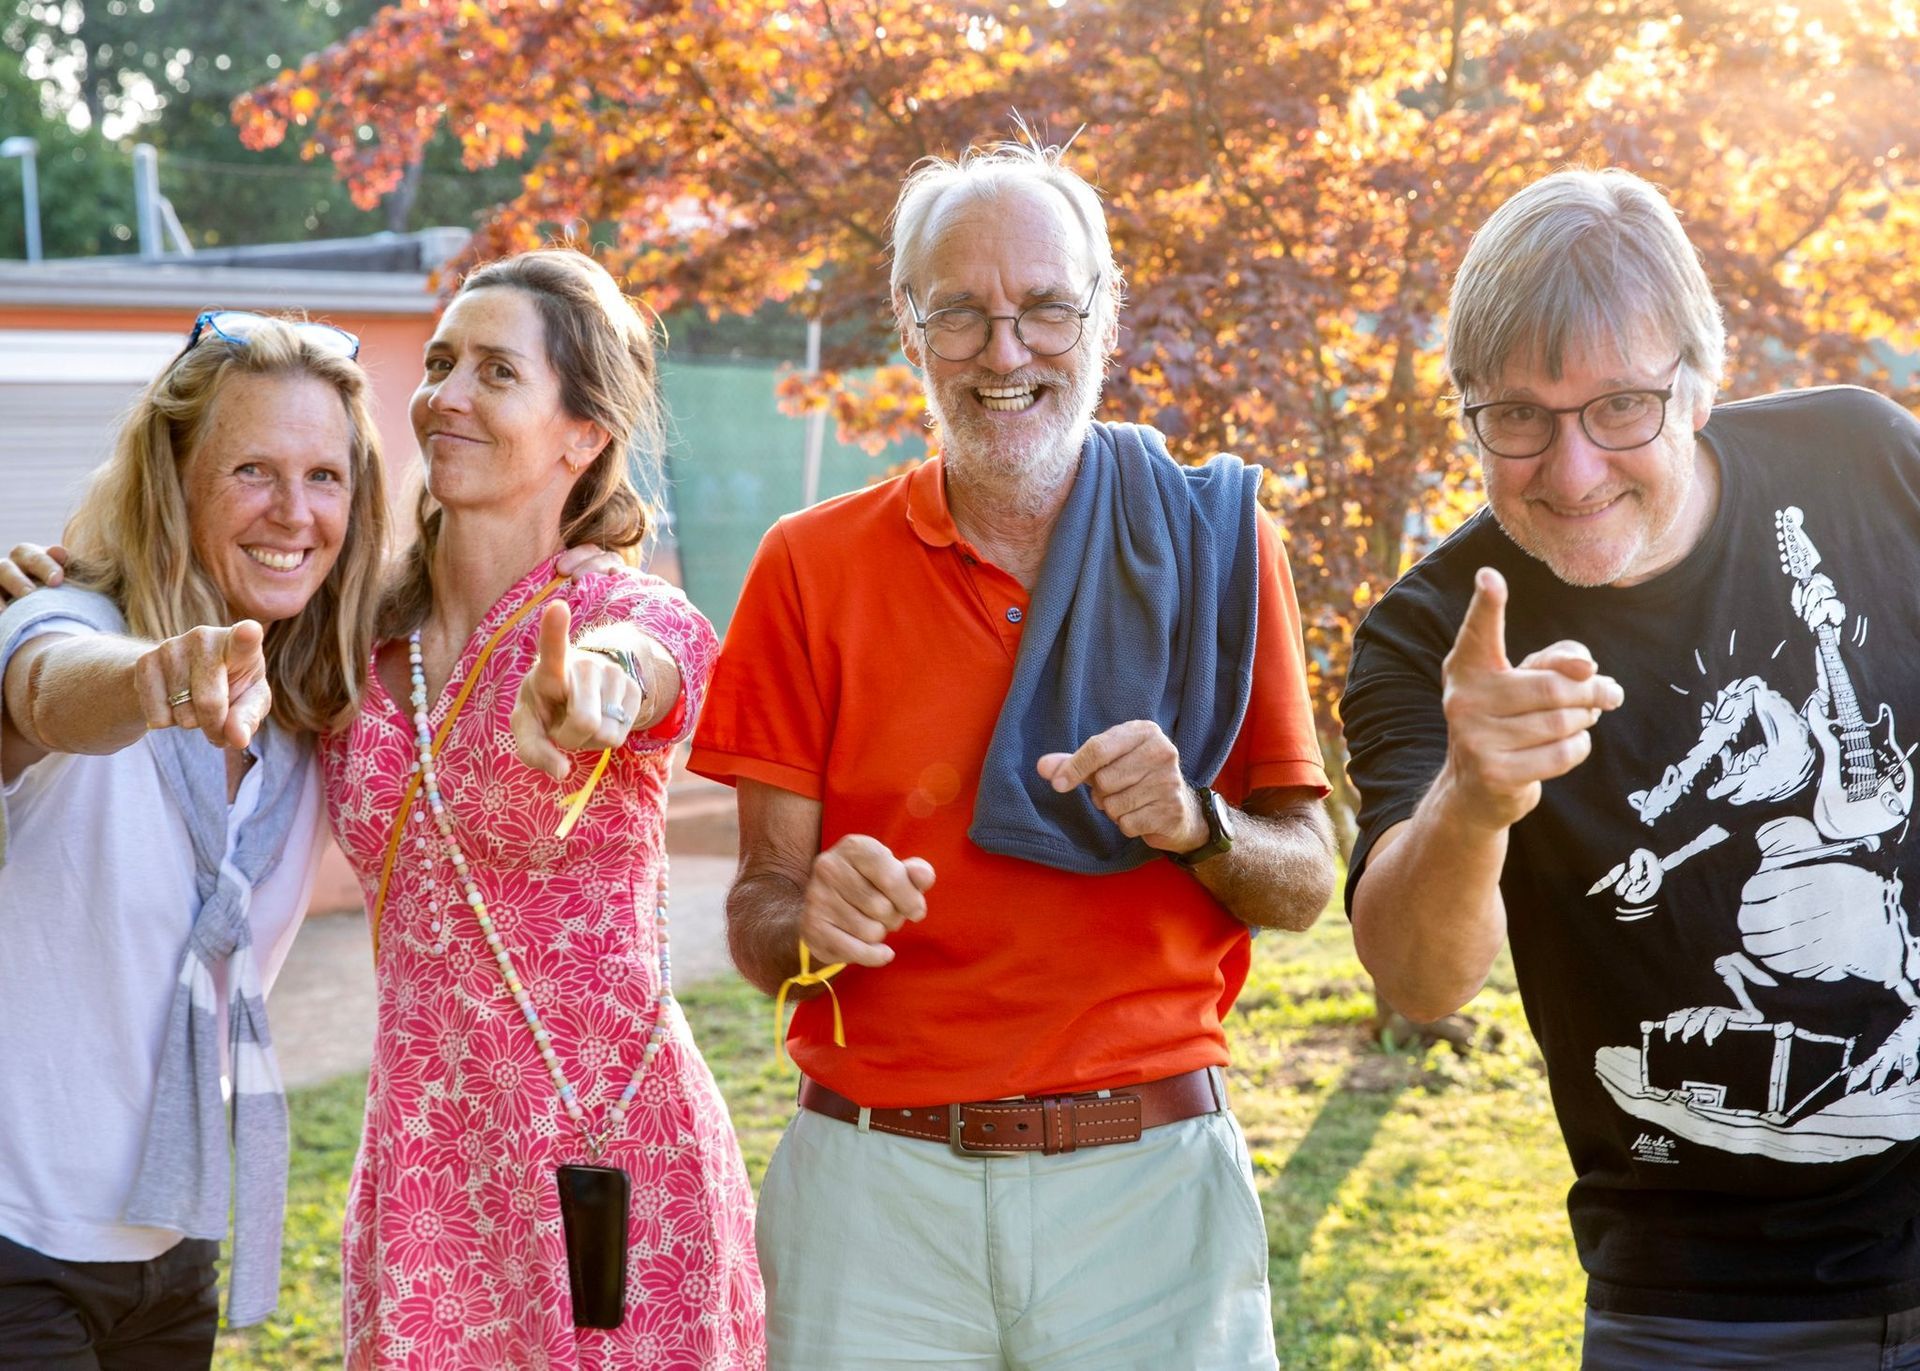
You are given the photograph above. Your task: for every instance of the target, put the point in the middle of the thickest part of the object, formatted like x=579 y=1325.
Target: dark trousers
x=1646 y=1342
x=157 y=1315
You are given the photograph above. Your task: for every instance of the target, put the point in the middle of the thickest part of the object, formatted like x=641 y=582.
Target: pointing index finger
x=550 y=665
x=1482 y=640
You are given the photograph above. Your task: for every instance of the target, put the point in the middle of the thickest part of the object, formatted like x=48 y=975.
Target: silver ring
x=180 y=697
x=617 y=713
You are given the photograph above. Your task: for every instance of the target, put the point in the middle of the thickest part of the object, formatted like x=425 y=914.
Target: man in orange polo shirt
x=963 y=766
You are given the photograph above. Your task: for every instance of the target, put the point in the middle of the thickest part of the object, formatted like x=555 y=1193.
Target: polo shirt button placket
x=1014 y=615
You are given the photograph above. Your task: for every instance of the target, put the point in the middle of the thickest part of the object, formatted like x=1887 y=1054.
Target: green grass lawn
x=1413 y=1201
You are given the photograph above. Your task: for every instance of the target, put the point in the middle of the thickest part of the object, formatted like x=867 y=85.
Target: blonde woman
x=158 y=833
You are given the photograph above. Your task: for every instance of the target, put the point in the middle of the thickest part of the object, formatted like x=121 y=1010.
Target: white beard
x=1023 y=476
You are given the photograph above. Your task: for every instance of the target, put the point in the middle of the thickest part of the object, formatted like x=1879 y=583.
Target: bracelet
x=627 y=661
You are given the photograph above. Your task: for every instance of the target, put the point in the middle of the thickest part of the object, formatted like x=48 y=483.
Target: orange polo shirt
x=865 y=668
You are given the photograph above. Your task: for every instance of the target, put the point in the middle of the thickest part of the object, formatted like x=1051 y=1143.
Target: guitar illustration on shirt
x=1813 y=1052
x=1866 y=783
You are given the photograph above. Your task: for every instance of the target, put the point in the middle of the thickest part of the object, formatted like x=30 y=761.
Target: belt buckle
x=955 y=1122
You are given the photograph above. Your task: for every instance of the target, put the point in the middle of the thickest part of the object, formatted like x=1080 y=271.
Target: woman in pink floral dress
x=522 y=1022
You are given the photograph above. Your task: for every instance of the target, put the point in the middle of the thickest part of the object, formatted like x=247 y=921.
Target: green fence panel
x=735 y=464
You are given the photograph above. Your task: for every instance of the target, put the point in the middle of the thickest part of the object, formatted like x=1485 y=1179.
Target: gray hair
x=1580 y=258
x=987 y=173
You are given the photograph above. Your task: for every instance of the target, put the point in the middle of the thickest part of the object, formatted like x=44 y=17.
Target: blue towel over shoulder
x=1146 y=608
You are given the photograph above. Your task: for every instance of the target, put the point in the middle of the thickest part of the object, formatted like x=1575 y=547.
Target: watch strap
x=1219 y=840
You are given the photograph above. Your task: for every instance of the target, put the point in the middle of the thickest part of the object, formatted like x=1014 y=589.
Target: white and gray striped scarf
x=183 y=1178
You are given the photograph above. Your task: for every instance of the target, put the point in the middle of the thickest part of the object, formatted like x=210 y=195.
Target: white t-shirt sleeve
x=19 y=796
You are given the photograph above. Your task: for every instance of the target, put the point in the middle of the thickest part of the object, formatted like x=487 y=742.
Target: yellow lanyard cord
x=575 y=803
x=807 y=976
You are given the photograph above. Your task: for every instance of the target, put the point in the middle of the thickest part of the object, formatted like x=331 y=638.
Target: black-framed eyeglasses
x=236 y=327
x=1616 y=421
x=961 y=333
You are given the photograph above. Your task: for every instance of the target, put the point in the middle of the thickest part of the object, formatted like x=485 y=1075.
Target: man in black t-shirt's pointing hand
x=1510 y=728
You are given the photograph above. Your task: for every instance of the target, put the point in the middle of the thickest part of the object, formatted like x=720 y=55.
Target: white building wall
x=62 y=397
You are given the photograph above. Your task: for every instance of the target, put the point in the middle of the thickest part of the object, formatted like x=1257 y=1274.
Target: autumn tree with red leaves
x=1291 y=186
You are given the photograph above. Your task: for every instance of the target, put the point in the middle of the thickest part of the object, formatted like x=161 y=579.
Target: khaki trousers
x=881 y=1251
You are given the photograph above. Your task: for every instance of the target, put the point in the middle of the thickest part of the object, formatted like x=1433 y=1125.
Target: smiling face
x=488 y=413
x=1598 y=517
x=267 y=491
x=1007 y=414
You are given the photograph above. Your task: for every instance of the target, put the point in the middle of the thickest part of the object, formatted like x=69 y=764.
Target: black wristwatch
x=1219 y=830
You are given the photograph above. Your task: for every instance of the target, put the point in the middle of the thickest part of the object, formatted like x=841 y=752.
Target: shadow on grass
x=1301 y=1193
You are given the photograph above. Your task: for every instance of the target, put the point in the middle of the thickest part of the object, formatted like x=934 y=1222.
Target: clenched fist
x=858 y=894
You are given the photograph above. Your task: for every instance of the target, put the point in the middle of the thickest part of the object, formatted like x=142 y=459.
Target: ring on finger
x=617 y=713
x=180 y=697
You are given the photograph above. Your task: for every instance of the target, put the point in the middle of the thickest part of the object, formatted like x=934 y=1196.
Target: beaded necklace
x=569 y=1098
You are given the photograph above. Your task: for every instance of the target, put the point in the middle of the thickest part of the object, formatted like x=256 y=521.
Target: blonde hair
x=1593 y=258
x=1019 y=164
x=602 y=348
x=131 y=540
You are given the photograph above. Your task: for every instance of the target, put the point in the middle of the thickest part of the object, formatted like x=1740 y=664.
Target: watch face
x=1222 y=815
x=1219 y=829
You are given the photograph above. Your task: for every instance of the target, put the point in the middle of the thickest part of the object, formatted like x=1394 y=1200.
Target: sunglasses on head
x=236 y=327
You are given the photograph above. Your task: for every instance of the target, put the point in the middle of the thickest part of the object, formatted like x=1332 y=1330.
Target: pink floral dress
x=453 y=1251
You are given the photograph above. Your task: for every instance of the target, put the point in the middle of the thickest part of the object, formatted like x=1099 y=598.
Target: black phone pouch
x=594 y=1201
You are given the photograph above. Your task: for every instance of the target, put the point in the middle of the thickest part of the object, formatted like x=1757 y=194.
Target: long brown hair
x=130 y=538
x=601 y=345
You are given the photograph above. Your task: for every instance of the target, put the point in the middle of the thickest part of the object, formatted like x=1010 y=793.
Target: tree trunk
x=401 y=200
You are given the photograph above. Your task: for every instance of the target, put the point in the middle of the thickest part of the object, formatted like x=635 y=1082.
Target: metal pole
x=26 y=149
x=30 y=195
x=816 y=423
x=146 y=198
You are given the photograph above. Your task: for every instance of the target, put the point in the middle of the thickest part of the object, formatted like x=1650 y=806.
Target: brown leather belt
x=1047 y=1124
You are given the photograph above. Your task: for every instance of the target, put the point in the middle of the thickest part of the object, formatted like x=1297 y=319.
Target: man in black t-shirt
x=1650 y=716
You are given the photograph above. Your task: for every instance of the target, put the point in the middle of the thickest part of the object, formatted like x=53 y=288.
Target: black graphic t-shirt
x=1713 y=917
